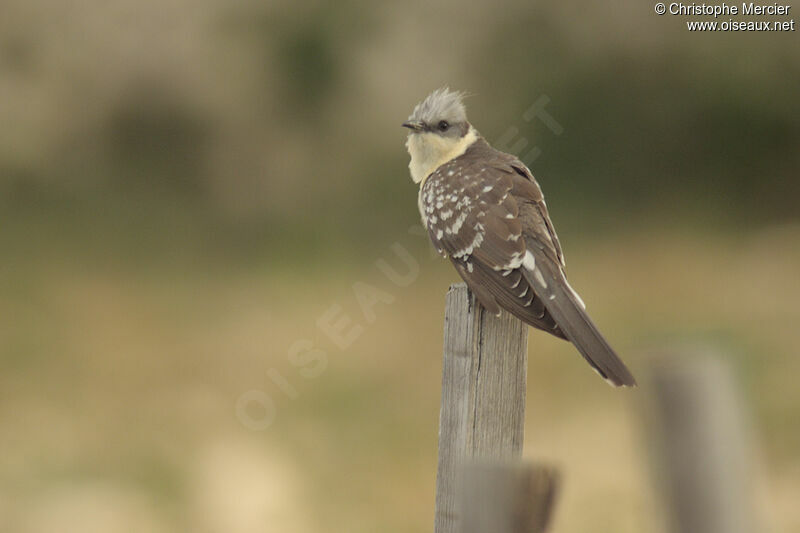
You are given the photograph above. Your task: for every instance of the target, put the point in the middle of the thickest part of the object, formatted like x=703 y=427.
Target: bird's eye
x=443 y=125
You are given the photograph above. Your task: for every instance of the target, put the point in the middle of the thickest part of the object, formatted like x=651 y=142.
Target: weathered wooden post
x=483 y=395
x=700 y=446
x=507 y=498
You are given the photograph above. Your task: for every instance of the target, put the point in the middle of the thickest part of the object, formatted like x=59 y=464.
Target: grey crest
x=442 y=105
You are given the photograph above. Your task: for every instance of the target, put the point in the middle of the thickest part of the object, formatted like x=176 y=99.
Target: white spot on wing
x=538 y=275
x=458 y=223
x=464 y=202
x=604 y=378
x=529 y=262
x=476 y=241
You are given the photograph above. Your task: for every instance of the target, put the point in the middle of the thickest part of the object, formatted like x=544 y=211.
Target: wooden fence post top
x=483 y=394
x=507 y=497
x=701 y=445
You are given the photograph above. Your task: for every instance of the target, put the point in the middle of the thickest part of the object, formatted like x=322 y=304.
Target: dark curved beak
x=413 y=126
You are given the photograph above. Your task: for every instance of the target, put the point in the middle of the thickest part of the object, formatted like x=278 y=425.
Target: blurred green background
x=187 y=187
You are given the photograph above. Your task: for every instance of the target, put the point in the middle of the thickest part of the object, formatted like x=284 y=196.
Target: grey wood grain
x=507 y=498
x=483 y=394
x=701 y=446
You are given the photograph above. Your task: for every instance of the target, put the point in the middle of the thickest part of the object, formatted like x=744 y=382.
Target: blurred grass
x=186 y=187
x=128 y=377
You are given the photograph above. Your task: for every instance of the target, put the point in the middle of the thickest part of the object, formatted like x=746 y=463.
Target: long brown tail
x=567 y=310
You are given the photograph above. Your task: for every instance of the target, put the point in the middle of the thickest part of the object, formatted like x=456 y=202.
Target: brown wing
x=475 y=208
x=535 y=219
x=548 y=280
x=486 y=213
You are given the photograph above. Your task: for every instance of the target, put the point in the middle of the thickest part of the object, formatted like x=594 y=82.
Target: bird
x=485 y=212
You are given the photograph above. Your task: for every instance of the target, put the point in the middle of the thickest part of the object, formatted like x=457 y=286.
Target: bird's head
x=441 y=114
x=439 y=131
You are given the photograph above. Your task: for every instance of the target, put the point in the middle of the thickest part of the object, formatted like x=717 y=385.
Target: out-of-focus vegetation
x=185 y=187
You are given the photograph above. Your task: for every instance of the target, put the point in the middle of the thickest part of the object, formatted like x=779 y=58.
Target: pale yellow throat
x=429 y=151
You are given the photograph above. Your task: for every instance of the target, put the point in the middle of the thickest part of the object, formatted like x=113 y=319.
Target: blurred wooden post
x=701 y=447
x=483 y=394
x=507 y=498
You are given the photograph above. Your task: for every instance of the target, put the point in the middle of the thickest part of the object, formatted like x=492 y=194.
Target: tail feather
x=567 y=309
